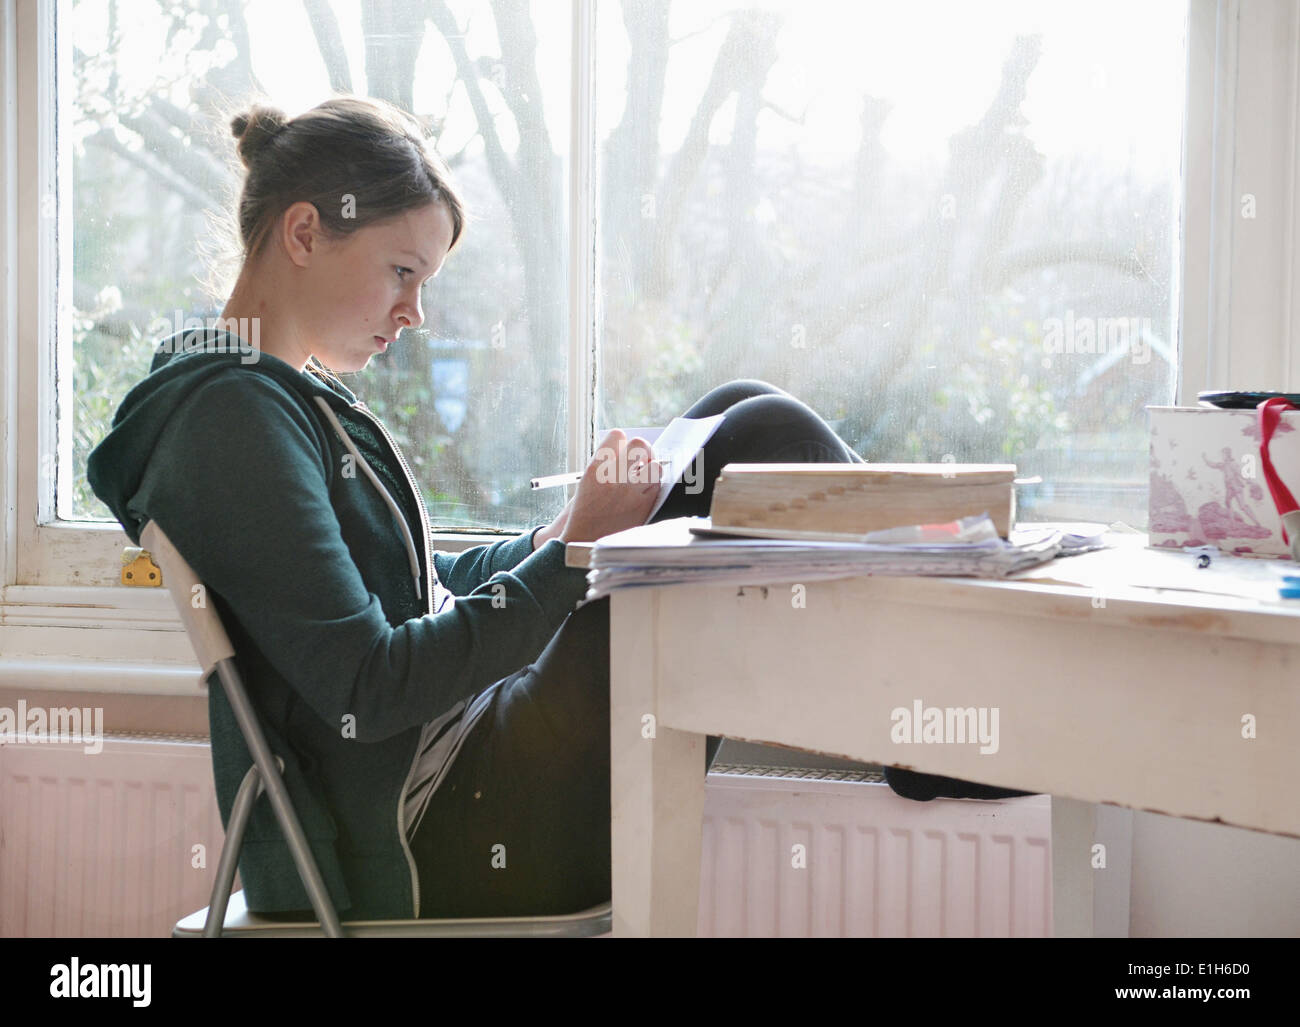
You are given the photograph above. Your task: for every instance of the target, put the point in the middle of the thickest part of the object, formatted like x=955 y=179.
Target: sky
x=1109 y=85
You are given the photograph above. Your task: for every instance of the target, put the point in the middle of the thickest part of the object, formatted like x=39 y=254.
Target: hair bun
x=256 y=127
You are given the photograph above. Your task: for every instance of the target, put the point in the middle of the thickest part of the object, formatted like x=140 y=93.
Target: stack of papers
x=679 y=551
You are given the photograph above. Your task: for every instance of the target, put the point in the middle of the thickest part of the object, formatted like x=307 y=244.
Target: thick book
x=848 y=500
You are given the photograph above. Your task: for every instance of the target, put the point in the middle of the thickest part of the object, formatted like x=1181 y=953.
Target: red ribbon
x=1270 y=413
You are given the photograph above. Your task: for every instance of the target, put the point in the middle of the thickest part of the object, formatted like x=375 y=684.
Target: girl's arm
x=463 y=572
x=241 y=485
x=553 y=530
x=604 y=506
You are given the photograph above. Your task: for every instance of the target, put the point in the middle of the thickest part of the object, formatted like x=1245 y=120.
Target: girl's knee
x=781 y=428
x=771 y=408
x=722 y=397
x=755 y=387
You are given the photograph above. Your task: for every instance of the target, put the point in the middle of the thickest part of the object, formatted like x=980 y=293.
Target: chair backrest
x=215 y=653
x=212 y=645
x=202 y=624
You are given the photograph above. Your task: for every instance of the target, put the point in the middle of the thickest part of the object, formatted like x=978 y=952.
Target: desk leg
x=1074 y=827
x=1090 y=901
x=656 y=787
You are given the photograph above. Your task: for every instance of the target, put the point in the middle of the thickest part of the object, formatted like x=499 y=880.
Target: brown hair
x=358 y=161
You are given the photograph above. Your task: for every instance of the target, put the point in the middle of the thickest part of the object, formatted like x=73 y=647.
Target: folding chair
x=228 y=914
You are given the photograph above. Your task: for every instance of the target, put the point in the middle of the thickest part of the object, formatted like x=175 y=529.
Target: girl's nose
x=411 y=315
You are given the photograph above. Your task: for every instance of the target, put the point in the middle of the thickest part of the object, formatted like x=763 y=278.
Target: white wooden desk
x=1137 y=700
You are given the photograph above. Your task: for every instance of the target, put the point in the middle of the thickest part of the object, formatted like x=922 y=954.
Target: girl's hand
x=554 y=529
x=617 y=490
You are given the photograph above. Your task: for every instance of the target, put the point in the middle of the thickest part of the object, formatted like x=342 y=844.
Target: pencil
x=573 y=477
x=551 y=480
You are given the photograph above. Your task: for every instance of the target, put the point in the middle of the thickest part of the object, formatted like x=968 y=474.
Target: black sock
x=924 y=787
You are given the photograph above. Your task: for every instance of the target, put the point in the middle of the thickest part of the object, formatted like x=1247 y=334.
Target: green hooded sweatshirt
x=298 y=513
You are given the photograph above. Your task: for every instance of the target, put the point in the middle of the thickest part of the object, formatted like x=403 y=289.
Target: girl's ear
x=300 y=232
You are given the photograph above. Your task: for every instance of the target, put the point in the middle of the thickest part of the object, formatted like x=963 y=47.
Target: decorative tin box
x=1207 y=482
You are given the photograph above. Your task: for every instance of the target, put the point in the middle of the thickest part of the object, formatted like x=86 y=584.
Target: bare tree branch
x=392 y=45
x=521 y=87
x=631 y=168
x=197 y=170
x=174 y=181
x=1057 y=254
x=980 y=158
x=747 y=33
x=701 y=31
x=529 y=187
x=539 y=228
x=325 y=26
x=503 y=171
x=173 y=115
x=238 y=74
x=126 y=322
x=785 y=115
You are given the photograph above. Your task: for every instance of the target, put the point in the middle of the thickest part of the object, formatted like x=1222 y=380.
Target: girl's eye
x=401 y=271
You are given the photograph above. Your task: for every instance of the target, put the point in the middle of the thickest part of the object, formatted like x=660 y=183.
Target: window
x=950 y=228
x=476 y=397
x=832 y=197
x=957 y=231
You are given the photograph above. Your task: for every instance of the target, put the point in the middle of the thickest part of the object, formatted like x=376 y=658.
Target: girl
x=443 y=719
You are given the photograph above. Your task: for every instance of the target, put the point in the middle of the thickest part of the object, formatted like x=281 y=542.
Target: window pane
x=476 y=397
x=950 y=228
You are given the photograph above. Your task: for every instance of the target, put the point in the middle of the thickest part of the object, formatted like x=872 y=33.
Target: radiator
x=828 y=858
x=103 y=845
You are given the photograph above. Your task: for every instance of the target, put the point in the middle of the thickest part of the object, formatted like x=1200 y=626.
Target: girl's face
x=366 y=285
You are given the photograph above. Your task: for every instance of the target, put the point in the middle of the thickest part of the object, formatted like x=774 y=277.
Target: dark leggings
x=520 y=826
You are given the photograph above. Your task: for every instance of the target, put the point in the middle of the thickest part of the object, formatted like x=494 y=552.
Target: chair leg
x=280 y=803
x=249 y=789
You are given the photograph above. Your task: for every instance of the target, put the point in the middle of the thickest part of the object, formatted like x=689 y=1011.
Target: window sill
x=111 y=638
x=62 y=674
x=87 y=555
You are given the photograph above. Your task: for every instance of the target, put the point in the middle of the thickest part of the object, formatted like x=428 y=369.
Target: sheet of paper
x=1130 y=563
x=649 y=434
x=677 y=445
x=675 y=551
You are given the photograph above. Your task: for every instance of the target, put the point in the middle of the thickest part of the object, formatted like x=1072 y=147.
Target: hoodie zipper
x=428 y=603
x=419 y=502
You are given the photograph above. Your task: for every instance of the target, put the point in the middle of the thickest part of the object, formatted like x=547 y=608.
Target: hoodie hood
x=182 y=362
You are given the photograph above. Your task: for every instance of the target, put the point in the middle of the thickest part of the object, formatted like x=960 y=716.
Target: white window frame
x=1238 y=314
x=1237 y=324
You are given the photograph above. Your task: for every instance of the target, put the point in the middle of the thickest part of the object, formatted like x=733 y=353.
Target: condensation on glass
x=476 y=398
x=950 y=228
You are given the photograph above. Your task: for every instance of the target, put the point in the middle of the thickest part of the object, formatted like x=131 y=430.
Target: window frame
x=1242 y=128
x=1232 y=141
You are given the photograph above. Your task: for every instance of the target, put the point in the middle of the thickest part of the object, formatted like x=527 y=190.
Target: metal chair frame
x=216 y=654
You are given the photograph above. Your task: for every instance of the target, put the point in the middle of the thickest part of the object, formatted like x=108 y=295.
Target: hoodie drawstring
x=392 y=503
